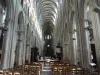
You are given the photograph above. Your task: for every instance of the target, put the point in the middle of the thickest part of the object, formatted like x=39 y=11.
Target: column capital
x=8 y=20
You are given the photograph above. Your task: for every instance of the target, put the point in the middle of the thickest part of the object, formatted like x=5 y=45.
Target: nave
x=67 y=30
x=49 y=67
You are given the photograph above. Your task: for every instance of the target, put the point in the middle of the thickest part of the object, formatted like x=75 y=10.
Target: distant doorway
x=93 y=54
x=34 y=54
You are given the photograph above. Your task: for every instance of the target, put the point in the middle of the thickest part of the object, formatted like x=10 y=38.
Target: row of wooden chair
x=28 y=69
x=7 y=72
x=40 y=64
x=67 y=69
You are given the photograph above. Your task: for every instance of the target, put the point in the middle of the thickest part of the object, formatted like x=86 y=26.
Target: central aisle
x=46 y=70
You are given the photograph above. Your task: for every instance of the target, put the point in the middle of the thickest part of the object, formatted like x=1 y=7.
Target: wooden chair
x=1 y=72
x=17 y=73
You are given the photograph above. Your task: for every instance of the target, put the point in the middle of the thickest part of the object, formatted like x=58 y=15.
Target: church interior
x=49 y=37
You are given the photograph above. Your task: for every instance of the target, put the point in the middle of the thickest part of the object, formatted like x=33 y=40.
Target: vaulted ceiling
x=47 y=15
x=47 y=12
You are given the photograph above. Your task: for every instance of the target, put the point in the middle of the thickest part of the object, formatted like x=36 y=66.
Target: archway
x=19 y=38
x=48 y=50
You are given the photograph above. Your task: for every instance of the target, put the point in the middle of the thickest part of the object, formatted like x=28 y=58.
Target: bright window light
x=87 y=9
x=48 y=45
x=91 y=56
x=92 y=64
x=48 y=37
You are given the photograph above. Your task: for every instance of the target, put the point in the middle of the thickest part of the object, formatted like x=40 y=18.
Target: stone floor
x=46 y=73
x=46 y=70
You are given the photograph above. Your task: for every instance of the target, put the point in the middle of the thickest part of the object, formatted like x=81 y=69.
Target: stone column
x=1 y=16
x=81 y=36
x=70 y=38
x=65 y=48
x=24 y=46
x=28 y=47
x=63 y=45
x=87 y=37
x=7 y=44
